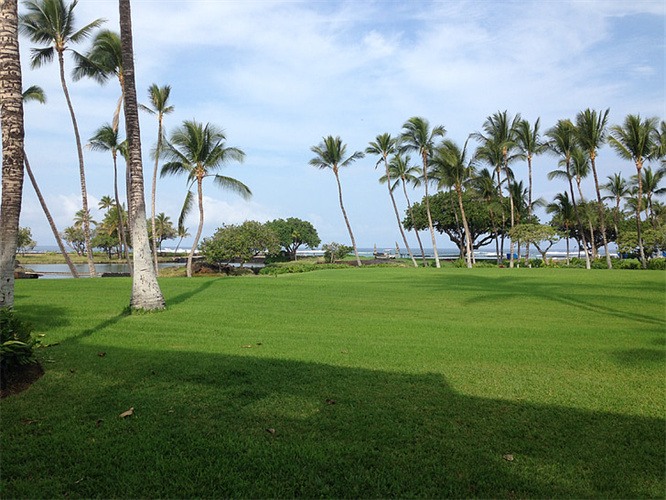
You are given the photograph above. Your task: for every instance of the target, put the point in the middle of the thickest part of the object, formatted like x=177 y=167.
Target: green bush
x=16 y=343
x=626 y=264
x=657 y=264
x=536 y=263
x=298 y=267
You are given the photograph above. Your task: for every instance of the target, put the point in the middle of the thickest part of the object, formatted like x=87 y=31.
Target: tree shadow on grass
x=208 y=425
x=179 y=299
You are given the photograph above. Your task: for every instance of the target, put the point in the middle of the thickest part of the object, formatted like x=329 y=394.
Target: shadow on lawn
x=200 y=429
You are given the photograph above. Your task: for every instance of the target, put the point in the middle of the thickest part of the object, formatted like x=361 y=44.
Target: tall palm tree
x=146 y=293
x=404 y=173
x=36 y=93
x=384 y=146
x=331 y=154
x=51 y=23
x=635 y=140
x=11 y=115
x=563 y=208
x=618 y=188
x=650 y=182
x=580 y=168
x=106 y=139
x=562 y=142
x=484 y=185
x=181 y=232
x=530 y=144
x=158 y=97
x=452 y=167
x=198 y=151
x=417 y=136
x=591 y=129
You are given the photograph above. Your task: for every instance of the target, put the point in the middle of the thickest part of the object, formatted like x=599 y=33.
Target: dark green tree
x=292 y=233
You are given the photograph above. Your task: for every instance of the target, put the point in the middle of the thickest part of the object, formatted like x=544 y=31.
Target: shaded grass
x=444 y=373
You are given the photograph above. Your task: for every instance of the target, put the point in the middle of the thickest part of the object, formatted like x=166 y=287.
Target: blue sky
x=277 y=76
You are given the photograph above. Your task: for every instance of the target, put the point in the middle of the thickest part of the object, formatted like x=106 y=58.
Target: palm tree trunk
x=199 y=230
x=639 y=166
x=468 y=245
x=580 y=225
x=121 y=227
x=432 y=229
x=501 y=197
x=11 y=104
x=344 y=213
x=595 y=254
x=152 y=198
x=82 y=171
x=416 y=231
x=54 y=229
x=146 y=293
x=512 y=216
x=529 y=206
x=397 y=214
x=567 y=226
x=601 y=211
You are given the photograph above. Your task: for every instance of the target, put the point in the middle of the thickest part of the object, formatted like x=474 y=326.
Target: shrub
x=657 y=264
x=298 y=267
x=335 y=251
x=16 y=343
x=536 y=263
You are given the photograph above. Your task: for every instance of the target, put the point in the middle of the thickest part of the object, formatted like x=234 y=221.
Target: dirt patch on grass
x=20 y=379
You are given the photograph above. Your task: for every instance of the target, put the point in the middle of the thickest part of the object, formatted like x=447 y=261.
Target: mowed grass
x=374 y=383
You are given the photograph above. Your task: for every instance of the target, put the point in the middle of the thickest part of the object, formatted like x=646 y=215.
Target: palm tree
x=331 y=154
x=51 y=23
x=635 y=140
x=181 y=232
x=146 y=293
x=417 y=136
x=403 y=173
x=530 y=144
x=580 y=169
x=198 y=150
x=590 y=135
x=383 y=146
x=11 y=103
x=562 y=142
x=36 y=93
x=106 y=139
x=158 y=97
x=564 y=209
x=484 y=185
x=618 y=188
x=453 y=168
x=650 y=182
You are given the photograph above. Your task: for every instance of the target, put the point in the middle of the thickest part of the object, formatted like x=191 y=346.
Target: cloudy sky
x=278 y=76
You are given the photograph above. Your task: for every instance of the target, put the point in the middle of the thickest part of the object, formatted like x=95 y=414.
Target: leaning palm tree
x=562 y=208
x=198 y=151
x=530 y=144
x=106 y=139
x=158 y=97
x=618 y=188
x=562 y=142
x=384 y=146
x=36 y=93
x=146 y=293
x=635 y=140
x=404 y=173
x=331 y=154
x=11 y=104
x=419 y=137
x=453 y=168
x=51 y=23
x=591 y=129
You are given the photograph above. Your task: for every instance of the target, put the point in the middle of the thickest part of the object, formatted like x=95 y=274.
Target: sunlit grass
x=435 y=375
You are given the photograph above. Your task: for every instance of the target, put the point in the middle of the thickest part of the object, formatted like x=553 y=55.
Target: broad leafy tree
x=331 y=154
x=197 y=151
x=243 y=242
x=541 y=236
x=51 y=23
x=25 y=241
x=292 y=233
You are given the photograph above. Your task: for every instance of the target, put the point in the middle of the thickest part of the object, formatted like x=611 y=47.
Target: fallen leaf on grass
x=101 y=354
x=344 y=352
x=330 y=401
x=127 y=413
x=271 y=431
x=260 y=343
x=50 y=345
x=508 y=458
x=71 y=370
x=27 y=422
x=244 y=346
x=41 y=335
x=97 y=424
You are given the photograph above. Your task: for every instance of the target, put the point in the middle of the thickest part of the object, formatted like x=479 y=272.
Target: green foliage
x=536 y=263
x=298 y=267
x=16 y=343
x=292 y=233
x=657 y=264
x=243 y=242
x=653 y=240
x=25 y=241
x=541 y=236
x=75 y=238
x=335 y=251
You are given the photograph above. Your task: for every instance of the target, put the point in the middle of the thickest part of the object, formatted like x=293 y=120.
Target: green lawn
x=436 y=376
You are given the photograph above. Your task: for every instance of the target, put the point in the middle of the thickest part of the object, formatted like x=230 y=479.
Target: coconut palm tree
x=106 y=139
x=158 y=97
x=484 y=185
x=198 y=151
x=181 y=232
x=36 y=93
x=650 y=182
x=419 y=137
x=51 y=23
x=146 y=293
x=562 y=208
x=11 y=105
x=635 y=140
x=384 y=146
x=562 y=142
x=618 y=188
x=530 y=144
x=331 y=154
x=404 y=173
x=591 y=129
